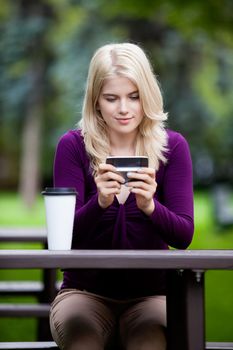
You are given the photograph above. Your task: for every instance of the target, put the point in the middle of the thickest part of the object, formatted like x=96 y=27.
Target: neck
x=122 y=152
x=123 y=146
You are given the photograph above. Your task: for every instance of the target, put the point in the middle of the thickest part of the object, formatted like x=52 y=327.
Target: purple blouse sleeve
x=173 y=218
x=69 y=171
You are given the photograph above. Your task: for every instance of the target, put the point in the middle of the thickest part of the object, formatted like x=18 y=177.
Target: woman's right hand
x=108 y=183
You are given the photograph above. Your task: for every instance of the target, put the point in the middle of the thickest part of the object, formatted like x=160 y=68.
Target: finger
x=111 y=176
x=103 y=167
x=109 y=172
x=149 y=189
x=110 y=191
x=108 y=177
x=149 y=171
x=111 y=184
x=139 y=184
x=141 y=192
x=140 y=176
x=101 y=186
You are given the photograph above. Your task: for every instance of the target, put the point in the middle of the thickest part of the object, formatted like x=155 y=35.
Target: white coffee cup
x=60 y=209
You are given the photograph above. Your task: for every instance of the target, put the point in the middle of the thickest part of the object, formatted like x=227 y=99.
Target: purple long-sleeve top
x=124 y=226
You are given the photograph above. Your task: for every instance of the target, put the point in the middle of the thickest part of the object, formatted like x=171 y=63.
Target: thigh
x=148 y=311
x=77 y=313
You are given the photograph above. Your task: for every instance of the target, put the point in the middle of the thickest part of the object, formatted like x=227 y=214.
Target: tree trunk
x=29 y=177
x=30 y=170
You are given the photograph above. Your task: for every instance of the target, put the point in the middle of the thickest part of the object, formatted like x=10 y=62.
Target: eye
x=110 y=99
x=134 y=97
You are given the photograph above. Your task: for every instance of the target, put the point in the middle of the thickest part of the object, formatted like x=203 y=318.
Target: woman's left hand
x=143 y=184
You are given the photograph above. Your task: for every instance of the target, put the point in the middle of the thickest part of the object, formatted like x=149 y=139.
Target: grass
x=14 y=213
x=219 y=284
x=208 y=235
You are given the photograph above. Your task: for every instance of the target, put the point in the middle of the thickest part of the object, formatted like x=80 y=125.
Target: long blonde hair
x=126 y=60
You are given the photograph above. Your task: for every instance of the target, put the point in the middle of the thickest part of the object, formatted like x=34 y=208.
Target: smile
x=123 y=121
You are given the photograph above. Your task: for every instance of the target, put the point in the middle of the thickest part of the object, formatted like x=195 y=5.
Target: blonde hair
x=126 y=60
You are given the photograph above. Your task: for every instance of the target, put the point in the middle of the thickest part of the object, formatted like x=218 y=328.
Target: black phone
x=125 y=164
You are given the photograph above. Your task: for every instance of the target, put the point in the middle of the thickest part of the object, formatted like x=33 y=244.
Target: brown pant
x=80 y=320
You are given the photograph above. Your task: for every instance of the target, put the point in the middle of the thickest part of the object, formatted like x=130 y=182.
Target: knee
x=146 y=337
x=73 y=329
x=79 y=319
x=79 y=325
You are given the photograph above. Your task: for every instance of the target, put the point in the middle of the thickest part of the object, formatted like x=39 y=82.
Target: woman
x=122 y=116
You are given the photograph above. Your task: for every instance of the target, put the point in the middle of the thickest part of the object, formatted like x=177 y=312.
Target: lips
x=123 y=121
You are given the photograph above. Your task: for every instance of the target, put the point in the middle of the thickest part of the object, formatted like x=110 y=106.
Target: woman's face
x=120 y=106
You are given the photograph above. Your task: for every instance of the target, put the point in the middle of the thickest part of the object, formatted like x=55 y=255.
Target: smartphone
x=125 y=164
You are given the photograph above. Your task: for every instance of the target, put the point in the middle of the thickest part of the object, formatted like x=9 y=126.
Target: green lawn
x=219 y=284
x=14 y=213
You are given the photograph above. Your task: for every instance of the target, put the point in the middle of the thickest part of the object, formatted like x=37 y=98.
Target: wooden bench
x=48 y=287
x=44 y=290
x=185 y=298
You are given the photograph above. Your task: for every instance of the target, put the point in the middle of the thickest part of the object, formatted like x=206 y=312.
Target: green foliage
x=64 y=41
x=208 y=235
x=189 y=43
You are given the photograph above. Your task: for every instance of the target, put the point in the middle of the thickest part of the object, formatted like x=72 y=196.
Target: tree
x=190 y=45
x=25 y=58
x=46 y=46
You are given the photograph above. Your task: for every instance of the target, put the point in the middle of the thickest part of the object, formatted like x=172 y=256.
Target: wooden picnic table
x=185 y=297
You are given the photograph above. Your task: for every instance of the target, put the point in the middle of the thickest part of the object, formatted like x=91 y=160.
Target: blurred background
x=45 y=48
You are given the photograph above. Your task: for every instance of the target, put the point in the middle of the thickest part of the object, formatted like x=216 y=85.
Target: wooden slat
x=111 y=259
x=24 y=234
x=28 y=345
x=23 y=287
x=219 y=346
x=18 y=287
x=26 y=310
x=52 y=346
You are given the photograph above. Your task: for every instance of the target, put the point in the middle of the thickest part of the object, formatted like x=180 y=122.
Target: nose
x=123 y=108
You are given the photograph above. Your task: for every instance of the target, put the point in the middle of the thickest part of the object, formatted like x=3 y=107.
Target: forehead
x=118 y=85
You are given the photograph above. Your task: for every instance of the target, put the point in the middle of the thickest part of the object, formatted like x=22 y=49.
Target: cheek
x=137 y=106
x=106 y=109
x=139 y=110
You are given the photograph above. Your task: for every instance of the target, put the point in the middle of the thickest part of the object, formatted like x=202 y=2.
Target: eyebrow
x=111 y=94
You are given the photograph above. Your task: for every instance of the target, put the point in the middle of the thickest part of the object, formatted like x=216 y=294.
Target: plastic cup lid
x=56 y=191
